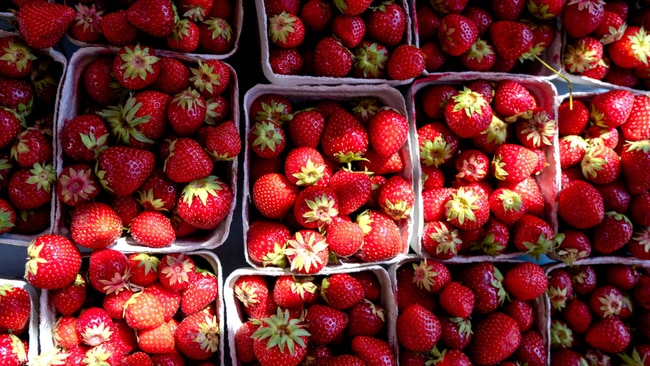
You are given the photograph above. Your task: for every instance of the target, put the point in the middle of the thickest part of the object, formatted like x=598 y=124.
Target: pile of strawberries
x=600 y=314
x=482 y=313
x=482 y=146
x=494 y=36
x=29 y=81
x=604 y=201
x=151 y=149
x=207 y=26
x=335 y=319
x=15 y=316
x=357 y=39
x=608 y=41
x=329 y=180
x=119 y=309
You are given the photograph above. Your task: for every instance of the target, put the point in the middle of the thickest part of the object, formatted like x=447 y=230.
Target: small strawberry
x=64 y=332
x=634 y=156
x=197 y=336
x=371 y=60
x=387 y=131
x=334 y=59
x=266 y=241
x=7 y=216
x=83 y=137
x=153 y=17
x=31 y=146
x=365 y=318
x=467 y=209
x=170 y=299
x=582 y=197
x=307 y=252
x=221 y=142
x=186 y=112
x=457 y=34
x=352 y=190
x=350 y=29
x=637 y=126
x=396 y=198
x=273 y=195
x=108 y=270
x=382 y=239
x=387 y=23
x=344 y=238
x=511 y=39
x=136 y=67
x=480 y=56
x=341 y=291
x=286 y=30
x=612 y=233
x=525 y=281
x=95 y=225
x=116 y=28
x=457 y=299
x=14 y=350
x=216 y=36
x=631 y=50
x=122 y=170
x=186 y=161
x=440 y=240
x=17 y=57
x=436 y=143
x=143 y=311
x=152 y=229
x=157 y=341
x=325 y=324
x=344 y=139
x=54 y=262
x=175 y=270
x=144 y=269
x=95 y=326
x=15 y=305
x=77 y=184
x=244 y=341
x=185 y=37
x=352 y=7
x=35 y=28
x=485 y=280
x=267 y=139
x=417 y=328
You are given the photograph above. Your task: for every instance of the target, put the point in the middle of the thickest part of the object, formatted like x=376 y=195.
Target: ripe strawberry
x=512 y=100
x=545 y=9
x=31 y=146
x=17 y=57
x=371 y=60
x=387 y=131
x=485 y=280
x=567 y=357
x=175 y=271
x=572 y=150
x=631 y=49
x=77 y=184
x=8 y=217
x=344 y=139
x=244 y=341
x=116 y=28
x=350 y=29
x=633 y=156
x=467 y=113
x=506 y=205
x=136 y=67
x=185 y=37
x=525 y=281
x=153 y=17
x=386 y=23
x=293 y=292
x=174 y=76
x=373 y=351
x=437 y=143
x=531 y=349
x=143 y=311
x=157 y=341
x=122 y=170
x=639 y=246
x=341 y=291
x=307 y=252
x=15 y=308
x=344 y=238
x=95 y=326
x=280 y=339
x=252 y=292
x=216 y=36
x=14 y=350
x=352 y=7
x=457 y=299
x=637 y=128
x=612 y=233
x=382 y=239
x=272 y=107
x=325 y=324
x=266 y=240
x=467 y=209
x=286 y=30
x=639 y=209
x=64 y=332
x=152 y=229
x=334 y=59
x=186 y=161
x=108 y=270
x=418 y=328
x=306 y=127
x=69 y=299
x=197 y=336
x=457 y=34
x=54 y=262
x=84 y=137
x=440 y=240
x=352 y=190
x=158 y=192
x=137 y=358
x=85 y=27
x=480 y=56
x=36 y=31
x=617 y=335
x=305 y=166
x=267 y=139
x=582 y=55
x=186 y=112
x=201 y=292
x=511 y=39
x=496 y=337
x=95 y=225
x=11 y=126
x=144 y=269
x=31 y=188
x=396 y=198
x=533 y=235
x=221 y=142
x=611 y=108
x=170 y=299
x=580 y=19
x=273 y=195
x=365 y=318
x=582 y=197
x=572 y=121
x=578 y=315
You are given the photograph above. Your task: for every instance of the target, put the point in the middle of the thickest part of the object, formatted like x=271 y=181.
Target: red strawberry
x=373 y=351
x=266 y=241
x=34 y=27
x=567 y=357
x=325 y=324
x=307 y=252
x=280 y=339
x=274 y=195
x=612 y=233
x=216 y=36
x=15 y=305
x=496 y=337
x=175 y=270
x=64 y=332
x=244 y=341
x=69 y=299
x=382 y=239
x=157 y=341
x=525 y=281
x=371 y=60
x=116 y=28
x=187 y=161
x=210 y=77
x=174 y=76
x=201 y=292
x=581 y=197
x=143 y=311
x=8 y=216
x=252 y=292
x=631 y=49
x=95 y=326
x=365 y=318
x=580 y=19
x=634 y=156
x=457 y=34
x=316 y=15
x=305 y=166
x=144 y=269
x=31 y=188
x=169 y=298
x=85 y=27
x=286 y=30
x=344 y=238
x=293 y=292
x=267 y=139
x=637 y=126
x=352 y=190
x=152 y=229
x=506 y=205
x=485 y=280
x=352 y=7
x=153 y=17
x=185 y=37
x=386 y=23
x=158 y=192
x=472 y=165
x=137 y=358
x=17 y=57
x=512 y=100
x=54 y=262
x=457 y=299
x=344 y=139
x=334 y=59
x=122 y=170
x=639 y=208
x=31 y=146
x=84 y=137
x=77 y=184
x=467 y=113
x=440 y=240
x=511 y=39
x=387 y=131
x=480 y=56
x=531 y=349
x=95 y=225
x=468 y=208
x=14 y=350
x=608 y=335
x=186 y=112
x=350 y=29
x=437 y=143
x=546 y=9
x=136 y=67
x=533 y=235
x=639 y=246
x=611 y=108
x=572 y=121
x=197 y=336
x=108 y=270
x=578 y=315
x=396 y=198
x=341 y=291
x=306 y=127
x=418 y=329
x=582 y=55
x=11 y=126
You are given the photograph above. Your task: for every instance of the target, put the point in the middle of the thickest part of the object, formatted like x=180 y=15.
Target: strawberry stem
x=569 y=85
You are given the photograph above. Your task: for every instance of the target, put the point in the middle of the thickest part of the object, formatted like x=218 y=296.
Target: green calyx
x=282 y=331
x=123 y=122
x=469 y=102
x=137 y=62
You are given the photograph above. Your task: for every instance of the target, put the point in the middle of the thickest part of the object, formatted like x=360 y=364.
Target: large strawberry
x=197 y=336
x=325 y=324
x=387 y=131
x=153 y=17
x=382 y=239
x=95 y=225
x=580 y=18
x=108 y=270
x=281 y=339
x=14 y=350
x=136 y=66
x=513 y=163
x=122 y=170
x=511 y=39
x=143 y=311
x=496 y=337
x=581 y=205
x=344 y=139
x=307 y=252
x=205 y=203
x=54 y=262
x=186 y=161
x=15 y=305
x=43 y=24
x=457 y=34
x=418 y=328
x=467 y=113
x=386 y=23
x=152 y=229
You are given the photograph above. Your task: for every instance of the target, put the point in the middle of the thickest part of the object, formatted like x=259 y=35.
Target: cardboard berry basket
x=598 y=264
x=71 y=94
x=235 y=315
x=540 y=307
x=305 y=79
x=32 y=331
x=388 y=95
x=204 y=259
x=552 y=55
x=548 y=180
x=60 y=60
x=236 y=24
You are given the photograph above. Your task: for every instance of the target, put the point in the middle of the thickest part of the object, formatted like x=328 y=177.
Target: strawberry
x=316 y=15
x=546 y=9
x=272 y=107
x=157 y=341
x=108 y=270
x=11 y=126
x=365 y=318
x=325 y=323
x=639 y=246
x=99 y=83
x=373 y=351
x=307 y=252
x=280 y=339
x=601 y=165
x=352 y=190
x=485 y=280
x=8 y=216
x=511 y=39
x=582 y=197
x=467 y=209
x=304 y=166
x=266 y=241
x=344 y=238
x=185 y=37
x=116 y=28
x=144 y=269
x=350 y=29
x=273 y=195
x=396 y=198
x=195 y=10
x=170 y=299
x=440 y=240
x=201 y=292
x=572 y=150
x=152 y=229
x=582 y=54
x=175 y=270
x=306 y=127
x=158 y=192
x=14 y=350
x=639 y=209
x=637 y=128
x=253 y=293
x=210 y=77
x=293 y=292
x=472 y=165
x=386 y=23
x=64 y=332
x=54 y=262
x=244 y=341
x=437 y=143
x=95 y=326
x=76 y=185
x=508 y=9
x=634 y=156
x=536 y=132
x=387 y=131
x=221 y=142
x=143 y=311
x=617 y=339
x=174 y=76
x=457 y=34
x=17 y=94
x=525 y=281
x=567 y=357
x=560 y=288
x=135 y=66
x=578 y=315
x=496 y=337
x=631 y=49
x=267 y=139
x=480 y=56
x=95 y=225
x=342 y=360
x=186 y=161
x=531 y=349
x=512 y=100
x=335 y=60
x=153 y=17
x=122 y=170
x=197 y=336
x=286 y=30
x=36 y=31
x=467 y=113
x=341 y=291
x=17 y=57
x=506 y=205
x=272 y=7
x=417 y=328
x=382 y=239
x=31 y=188
x=15 y=305
x=581 y=18
x=216 y=36
x=371 y=60
x=31 y=146
x=457 y=299
x=137 y=358
x=186 y=112
x=612 y=233
x=533 y=235
x=352 y=7
x=344 y=139
x=85 y=27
